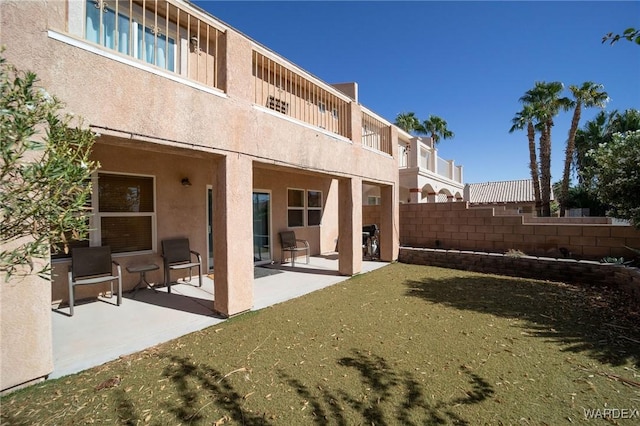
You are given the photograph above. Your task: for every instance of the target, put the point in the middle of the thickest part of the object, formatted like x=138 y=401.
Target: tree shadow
x=385 y=386
x=197 y=382
x=597 y=321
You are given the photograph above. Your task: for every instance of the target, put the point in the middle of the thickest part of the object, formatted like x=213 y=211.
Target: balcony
x=177 y=40
x=165 y=36
x=376 y=133
x=419 y=153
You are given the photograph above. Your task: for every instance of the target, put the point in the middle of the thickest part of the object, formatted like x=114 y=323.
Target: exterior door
x=210 y=227
x=261 y=227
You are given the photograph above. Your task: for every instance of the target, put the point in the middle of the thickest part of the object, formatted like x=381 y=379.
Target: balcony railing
x=288 y=92
x=427 y=159
x=154 y=32
x=375 y=134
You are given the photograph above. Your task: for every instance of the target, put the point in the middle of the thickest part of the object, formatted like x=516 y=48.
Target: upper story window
x=126 y=33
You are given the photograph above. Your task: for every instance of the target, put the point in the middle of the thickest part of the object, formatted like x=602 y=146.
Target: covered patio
x=100 y=331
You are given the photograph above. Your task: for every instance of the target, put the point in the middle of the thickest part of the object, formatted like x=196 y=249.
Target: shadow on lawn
x=381 y=405
x=596 y=321
x=193 y=382
x=389 y=396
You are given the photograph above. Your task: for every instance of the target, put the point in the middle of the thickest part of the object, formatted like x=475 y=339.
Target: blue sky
x=467 y=62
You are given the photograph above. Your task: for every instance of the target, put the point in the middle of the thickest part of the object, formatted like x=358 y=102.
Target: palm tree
x=407 y=121
x=588 y=95
x=436 y=127
x=525 y=118
x=546 y=102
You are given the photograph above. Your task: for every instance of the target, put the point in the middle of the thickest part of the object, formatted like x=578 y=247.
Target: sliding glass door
x=261 y=227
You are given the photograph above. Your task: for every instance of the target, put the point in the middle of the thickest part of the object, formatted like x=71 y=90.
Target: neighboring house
x=514 y=195
x=424 y=177
x=202 y=133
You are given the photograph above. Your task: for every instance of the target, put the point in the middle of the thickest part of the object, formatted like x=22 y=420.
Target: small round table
x=142 y=270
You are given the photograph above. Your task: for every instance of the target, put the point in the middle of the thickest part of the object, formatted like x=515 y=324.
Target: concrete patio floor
x=100 y=331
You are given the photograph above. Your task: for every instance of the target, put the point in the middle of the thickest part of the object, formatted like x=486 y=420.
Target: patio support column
x=350 y=226
x=233 y=233
x=389 y=224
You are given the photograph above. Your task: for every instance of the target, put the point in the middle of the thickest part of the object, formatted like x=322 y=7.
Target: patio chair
x=289 y=242
x=93 y=265
x=177 y=255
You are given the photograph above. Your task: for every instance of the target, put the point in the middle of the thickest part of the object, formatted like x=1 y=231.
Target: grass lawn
x=406 y=344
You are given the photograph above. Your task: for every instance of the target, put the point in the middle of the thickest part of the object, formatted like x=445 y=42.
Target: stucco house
x=424 y=177
x=208 y=135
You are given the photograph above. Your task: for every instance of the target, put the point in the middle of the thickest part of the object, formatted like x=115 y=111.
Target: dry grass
x=406 y=344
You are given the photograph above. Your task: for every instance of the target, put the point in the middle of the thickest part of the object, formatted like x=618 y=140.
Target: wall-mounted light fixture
x=185 y=182
x=195 y=44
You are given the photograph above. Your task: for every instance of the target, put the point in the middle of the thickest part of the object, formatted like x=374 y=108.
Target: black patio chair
x=177 y=255
x=93 y=265
x=289 y=242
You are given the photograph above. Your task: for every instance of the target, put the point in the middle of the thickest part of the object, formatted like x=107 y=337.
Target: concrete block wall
x=581 y=272
x=456 y=226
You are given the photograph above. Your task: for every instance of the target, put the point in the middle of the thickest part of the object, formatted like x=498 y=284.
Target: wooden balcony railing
x=288 y=92
x=155 y=32
x=376 y=133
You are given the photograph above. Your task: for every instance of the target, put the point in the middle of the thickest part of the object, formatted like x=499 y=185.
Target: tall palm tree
x=408 y=122
x=525 y=118
x=546 y=102
x=588 y=95
x=436 y=127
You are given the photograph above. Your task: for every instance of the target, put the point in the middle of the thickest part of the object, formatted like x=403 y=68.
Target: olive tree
x=617 y=176
x=45 y=173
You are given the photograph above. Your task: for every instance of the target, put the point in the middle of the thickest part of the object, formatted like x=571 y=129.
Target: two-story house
x=202 y=133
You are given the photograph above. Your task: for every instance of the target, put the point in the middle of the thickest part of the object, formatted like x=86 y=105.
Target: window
x=295 y=207
x=334 y=112
x=125 y=217
x=299 y=207
x=314 y=207
x=373 y=200
x=322 y=107
x=127 y=35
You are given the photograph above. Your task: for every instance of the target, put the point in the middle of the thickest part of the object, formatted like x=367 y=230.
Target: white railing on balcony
x=457 y=175
x=155 y=32
x=375 y=134
x=286 y=91
x=425 y=157
x=444 y=168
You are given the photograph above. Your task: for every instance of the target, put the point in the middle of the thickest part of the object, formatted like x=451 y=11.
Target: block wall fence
x=475 y=239
x=456 y=226
x=578 y=272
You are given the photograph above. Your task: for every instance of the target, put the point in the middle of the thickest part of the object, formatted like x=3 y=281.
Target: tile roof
x=508 y=191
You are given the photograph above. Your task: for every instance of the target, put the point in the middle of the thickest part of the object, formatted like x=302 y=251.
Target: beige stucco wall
x=180 y=211
x=152 y=123
x=26 y=352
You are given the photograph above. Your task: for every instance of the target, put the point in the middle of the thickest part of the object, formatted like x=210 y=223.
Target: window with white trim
x=125 y=216
x=314 y=207
x=295 y=207
x=127 y=35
